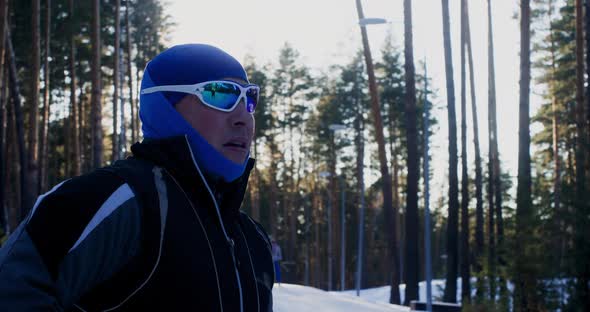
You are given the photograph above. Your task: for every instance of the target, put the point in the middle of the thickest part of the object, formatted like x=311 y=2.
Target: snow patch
x=297 y=298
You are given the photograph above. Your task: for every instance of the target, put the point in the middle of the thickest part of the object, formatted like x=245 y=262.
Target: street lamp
x=372 y=21
x=387 y=193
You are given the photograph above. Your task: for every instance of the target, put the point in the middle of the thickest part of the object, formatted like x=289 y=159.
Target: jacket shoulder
x=61 y=216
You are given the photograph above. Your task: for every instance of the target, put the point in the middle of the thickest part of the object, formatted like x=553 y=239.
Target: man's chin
x=235 y=155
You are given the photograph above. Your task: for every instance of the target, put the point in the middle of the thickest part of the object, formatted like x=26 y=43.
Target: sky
x=326 y=32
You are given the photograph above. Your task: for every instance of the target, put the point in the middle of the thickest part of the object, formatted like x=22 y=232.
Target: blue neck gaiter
x=187 y=64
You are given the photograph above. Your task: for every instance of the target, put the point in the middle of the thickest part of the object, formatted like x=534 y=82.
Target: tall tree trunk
x=68 y=151
x=494 y=189
x=43 y=148
x=525 y=278
x=342 y=232
x=307 y=251
x=464 y=171
x=33 y=126
x=134 y=134
x=582 y=211
x=13 y=172
x=478 y=170
x=378 y=123
x=560 y=241
x=115 y=139
x=96 y=109
x=20 y=130
x=500 y=249
x=320 y=269
x=479 y=239
x=75 y=125
x=290 y=198
x=491 y=232
x=587 y=38
x=83 y=121
x=273 y=195
x=394 y=152
x=4 y=225
x=450 y=293
x=122 y=148
x=396 y=208
x=137 y=119
x=426 y=175
x=412 y=261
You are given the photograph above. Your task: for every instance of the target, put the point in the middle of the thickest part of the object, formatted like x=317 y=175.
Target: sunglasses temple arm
x=172 y=88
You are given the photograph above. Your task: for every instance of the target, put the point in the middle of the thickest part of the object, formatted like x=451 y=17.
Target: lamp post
x=361 y=239
x=325 y=174
x=334 y=128
x=387 y=189
x=427 y=230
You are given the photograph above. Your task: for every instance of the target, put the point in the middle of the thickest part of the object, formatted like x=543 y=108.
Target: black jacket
x=149 y=233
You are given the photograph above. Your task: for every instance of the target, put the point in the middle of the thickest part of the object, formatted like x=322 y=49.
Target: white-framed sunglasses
x=221 y=95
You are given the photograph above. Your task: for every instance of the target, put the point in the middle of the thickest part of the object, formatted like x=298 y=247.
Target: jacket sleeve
x=77 y=235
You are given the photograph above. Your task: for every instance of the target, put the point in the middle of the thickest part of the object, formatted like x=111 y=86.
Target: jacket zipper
x=228 y=239
x=206 y=236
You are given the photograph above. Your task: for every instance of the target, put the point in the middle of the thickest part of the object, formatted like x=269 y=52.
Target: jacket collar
x=174 y=154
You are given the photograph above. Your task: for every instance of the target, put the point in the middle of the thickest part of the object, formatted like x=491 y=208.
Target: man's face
x=229 y=133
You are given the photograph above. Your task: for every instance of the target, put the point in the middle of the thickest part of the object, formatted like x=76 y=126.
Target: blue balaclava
x=183 y=65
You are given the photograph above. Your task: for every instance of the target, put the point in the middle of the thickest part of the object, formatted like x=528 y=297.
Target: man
x=277 y=257
x=162 y=230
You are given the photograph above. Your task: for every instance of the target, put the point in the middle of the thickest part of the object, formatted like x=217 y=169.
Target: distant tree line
x=63 y=62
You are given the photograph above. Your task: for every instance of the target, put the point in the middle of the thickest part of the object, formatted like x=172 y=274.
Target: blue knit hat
x=190 y=64
x=184 y=65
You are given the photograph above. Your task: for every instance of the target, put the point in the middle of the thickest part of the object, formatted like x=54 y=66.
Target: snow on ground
x=297 y=298
x=381 y=294
x=291 y=298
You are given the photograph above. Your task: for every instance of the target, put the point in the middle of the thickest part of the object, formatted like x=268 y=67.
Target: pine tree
x=411 y=273
x=582 y=205
x=77 y=161
x=492 y=174
x=96 y=114
x=525 y=276
x=33 y=125
x=43 y=148
x=464 y=262
x=4 y=224
x=450 y=293
x=115 y=138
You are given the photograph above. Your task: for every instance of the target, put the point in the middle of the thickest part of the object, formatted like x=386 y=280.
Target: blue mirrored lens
x=220 y=94
x=252 y=97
